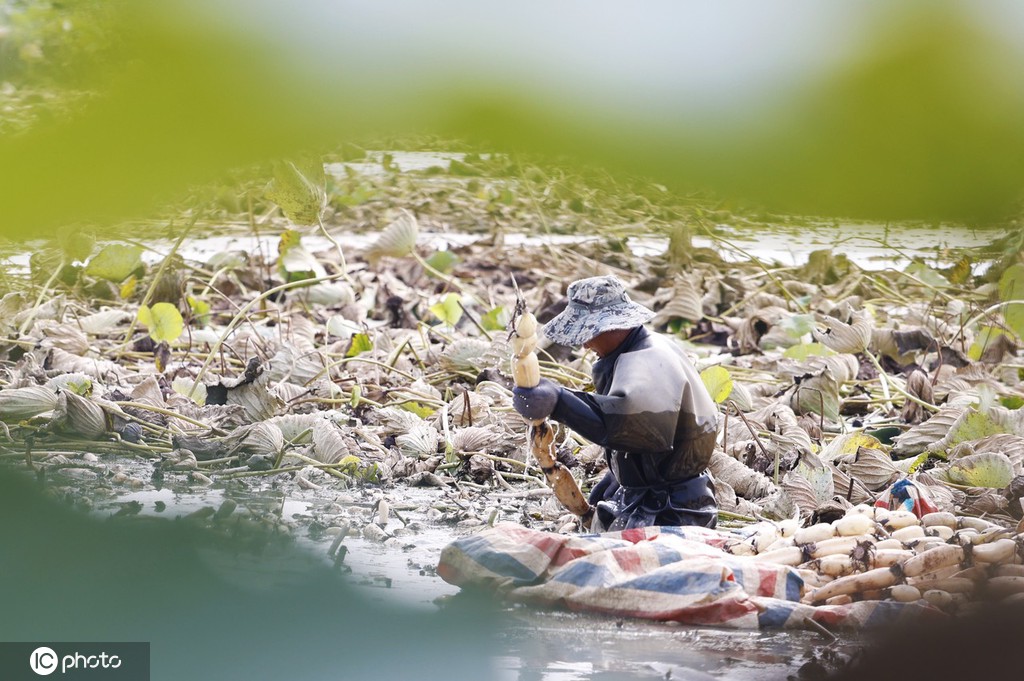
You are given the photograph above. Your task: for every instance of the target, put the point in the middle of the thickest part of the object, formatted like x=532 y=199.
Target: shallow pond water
x=570 y=647
x=536 y=645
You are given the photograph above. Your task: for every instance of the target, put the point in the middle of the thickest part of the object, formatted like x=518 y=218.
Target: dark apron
x=685 y=502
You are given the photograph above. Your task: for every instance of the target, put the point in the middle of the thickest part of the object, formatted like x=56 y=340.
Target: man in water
x=650 y=411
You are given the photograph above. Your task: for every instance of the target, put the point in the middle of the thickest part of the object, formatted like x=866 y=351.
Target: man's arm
x=584 y=413
x=607 y=420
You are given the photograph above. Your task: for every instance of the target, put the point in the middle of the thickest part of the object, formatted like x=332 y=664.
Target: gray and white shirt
x=650 y=411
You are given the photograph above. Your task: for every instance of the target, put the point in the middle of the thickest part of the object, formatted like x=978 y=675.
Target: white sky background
x=703 y=58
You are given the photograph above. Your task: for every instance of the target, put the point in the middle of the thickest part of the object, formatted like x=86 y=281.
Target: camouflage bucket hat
x=596 y=305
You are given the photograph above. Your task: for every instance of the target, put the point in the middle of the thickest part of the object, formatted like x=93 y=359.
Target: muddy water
x=871 y=246
x=536 y=645
x=567 y=647
x=399 y=570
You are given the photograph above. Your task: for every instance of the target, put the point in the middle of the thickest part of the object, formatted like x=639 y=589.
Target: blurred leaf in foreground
x=215 y=593
x=75 y=243
x=916 y=117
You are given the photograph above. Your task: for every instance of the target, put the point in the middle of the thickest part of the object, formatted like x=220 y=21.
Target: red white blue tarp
x=661 y=573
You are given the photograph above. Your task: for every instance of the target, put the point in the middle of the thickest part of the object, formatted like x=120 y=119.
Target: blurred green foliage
x=214 y=606
x=921 y=122
x=55 y=41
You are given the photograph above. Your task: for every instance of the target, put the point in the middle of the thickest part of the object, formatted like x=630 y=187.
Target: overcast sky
x=695 y=56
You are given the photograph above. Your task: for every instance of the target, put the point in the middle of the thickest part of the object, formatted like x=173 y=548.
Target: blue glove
x=536 y=403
